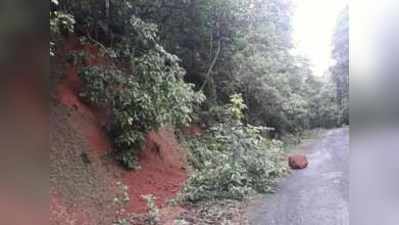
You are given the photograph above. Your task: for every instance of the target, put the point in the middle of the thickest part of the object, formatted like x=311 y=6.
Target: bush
x=232 y=160
x=154 y=96
x=153 y=211
x=60 y=23
x=142 y=84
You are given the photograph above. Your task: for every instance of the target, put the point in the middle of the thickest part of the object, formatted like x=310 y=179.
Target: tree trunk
x=213 y=63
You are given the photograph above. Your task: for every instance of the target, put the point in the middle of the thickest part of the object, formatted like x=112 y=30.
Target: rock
x=297 y=162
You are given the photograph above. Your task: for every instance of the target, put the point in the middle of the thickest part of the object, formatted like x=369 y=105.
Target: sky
x=314 y=23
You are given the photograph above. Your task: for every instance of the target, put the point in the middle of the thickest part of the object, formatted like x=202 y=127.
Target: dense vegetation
x=340 y=71
x=165 y=55
x=154 y=96
x=233 y=159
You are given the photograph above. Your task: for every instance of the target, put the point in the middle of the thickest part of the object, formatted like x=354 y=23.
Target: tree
x=226 y=47
x=340 y=71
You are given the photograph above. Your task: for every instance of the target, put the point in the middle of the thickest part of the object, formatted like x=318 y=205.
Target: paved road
x=317 y=195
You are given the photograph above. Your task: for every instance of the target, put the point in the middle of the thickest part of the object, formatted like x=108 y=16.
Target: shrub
x=60 y=23
x=123 y=221
x=142 y=85
x=232 y=160
x=153 y=211
x=154 y=96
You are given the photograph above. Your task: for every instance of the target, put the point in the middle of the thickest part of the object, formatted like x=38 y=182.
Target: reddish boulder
x=297 y=162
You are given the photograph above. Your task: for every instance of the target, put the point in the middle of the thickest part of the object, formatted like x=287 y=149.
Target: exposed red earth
x=163 y=166
x=162 y=173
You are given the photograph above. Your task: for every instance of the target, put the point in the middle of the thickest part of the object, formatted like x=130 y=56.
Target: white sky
x=314 y=23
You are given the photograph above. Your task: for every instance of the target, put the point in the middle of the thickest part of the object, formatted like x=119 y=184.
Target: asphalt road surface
x=317 y=195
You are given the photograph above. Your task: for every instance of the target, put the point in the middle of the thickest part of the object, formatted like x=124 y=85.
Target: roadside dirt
x=83 y=175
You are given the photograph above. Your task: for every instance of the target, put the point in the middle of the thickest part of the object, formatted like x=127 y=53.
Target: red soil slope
x=162 y=173
x=163 y=169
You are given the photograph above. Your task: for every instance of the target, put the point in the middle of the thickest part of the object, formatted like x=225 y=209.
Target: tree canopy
x=340 y=71
x=166 y=53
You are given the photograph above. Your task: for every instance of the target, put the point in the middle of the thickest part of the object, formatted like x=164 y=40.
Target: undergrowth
x=226 y=212
x=153 y=211
x=232 y=160
x=146 y=95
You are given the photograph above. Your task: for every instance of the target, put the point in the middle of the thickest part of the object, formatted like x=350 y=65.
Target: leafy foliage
x=154 y=96
x=153 y=211
x=340 y=71
x=227 y=212
x=60 y=23
x=226 y=47
x=122 y=197
x=237 y=107
x=232 y=160
x=243 y=46
x=122 y=222
x=147 y=94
